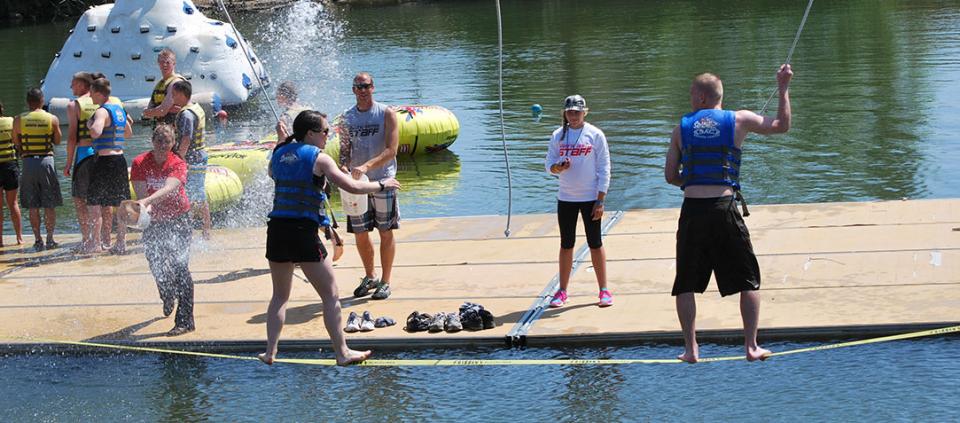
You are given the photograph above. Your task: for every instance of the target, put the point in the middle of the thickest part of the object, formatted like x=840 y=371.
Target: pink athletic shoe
x=559 y=299
x=606 y=298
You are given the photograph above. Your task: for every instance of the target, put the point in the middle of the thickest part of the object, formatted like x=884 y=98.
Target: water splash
x=303 y=44
x=300 y=43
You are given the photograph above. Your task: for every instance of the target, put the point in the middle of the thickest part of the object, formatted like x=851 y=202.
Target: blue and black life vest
x=298 y=193
x=709 y=155
x=112 y=136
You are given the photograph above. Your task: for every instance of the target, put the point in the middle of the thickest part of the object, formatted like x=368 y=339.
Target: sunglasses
x=362 y=86
x=322 y=130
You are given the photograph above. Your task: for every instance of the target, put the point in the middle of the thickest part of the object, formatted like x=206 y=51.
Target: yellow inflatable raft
x=223 y=188
x=423 y=130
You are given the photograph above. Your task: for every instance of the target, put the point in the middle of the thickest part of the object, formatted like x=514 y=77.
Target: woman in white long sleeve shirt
x=578 y=155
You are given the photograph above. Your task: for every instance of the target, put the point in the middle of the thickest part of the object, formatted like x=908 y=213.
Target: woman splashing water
x=299 y=167
x=158 y=178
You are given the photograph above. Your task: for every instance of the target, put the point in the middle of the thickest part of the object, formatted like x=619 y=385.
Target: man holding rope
x=704 y=161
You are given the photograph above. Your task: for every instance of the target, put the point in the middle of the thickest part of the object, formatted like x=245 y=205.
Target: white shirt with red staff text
x=589 y=171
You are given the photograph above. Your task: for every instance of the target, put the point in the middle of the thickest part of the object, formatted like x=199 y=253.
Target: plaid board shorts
x=383 y=213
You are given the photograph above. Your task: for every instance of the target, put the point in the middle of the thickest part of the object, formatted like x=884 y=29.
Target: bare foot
x=266 y=359
x=19 y=240
x=688 y=357
x=119 y=249
x=353 y=357
x=754 y=354
x=91 y=248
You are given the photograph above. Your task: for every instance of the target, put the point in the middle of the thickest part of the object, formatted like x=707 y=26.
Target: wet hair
x=166 y=52
x=709 y=85
x=363 y=75
x=102 y=86
x=85 y=77
x=183 y=87
x=288 y=90
x=164 y=131
x=307 y=120
x=34 y=97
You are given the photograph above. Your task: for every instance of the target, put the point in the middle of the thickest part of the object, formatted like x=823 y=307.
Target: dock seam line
x=517 y=334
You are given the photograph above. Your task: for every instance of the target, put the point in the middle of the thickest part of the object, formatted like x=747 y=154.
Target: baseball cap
x=575 y=102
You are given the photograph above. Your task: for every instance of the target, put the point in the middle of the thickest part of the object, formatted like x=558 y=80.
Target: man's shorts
x=383 y=213
x=9 y=175
x=80 y=184
x=294 y=241
x=109 y=181
x=39 y=185
x=712 y=238
x=196 y=177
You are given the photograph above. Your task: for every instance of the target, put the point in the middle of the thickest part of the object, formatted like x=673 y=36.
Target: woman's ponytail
x=305 y=121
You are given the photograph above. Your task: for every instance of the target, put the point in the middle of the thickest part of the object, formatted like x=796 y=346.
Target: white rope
x=503 y=134
x=790 y=54
x=247 y=55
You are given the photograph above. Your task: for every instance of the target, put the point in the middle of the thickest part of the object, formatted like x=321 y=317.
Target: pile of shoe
x=419 y=322
x=470 y=317
x=366 y=323
x=475 y=317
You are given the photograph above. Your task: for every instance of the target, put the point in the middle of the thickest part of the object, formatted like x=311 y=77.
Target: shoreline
x=19 y=12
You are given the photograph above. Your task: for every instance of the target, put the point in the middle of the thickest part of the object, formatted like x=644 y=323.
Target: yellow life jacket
x=87 y=108
x=7 y=151
x=36 y=133
x=160 y=93
x=196 y=139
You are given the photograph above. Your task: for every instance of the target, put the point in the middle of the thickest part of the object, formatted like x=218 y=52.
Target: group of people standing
x=98 y=127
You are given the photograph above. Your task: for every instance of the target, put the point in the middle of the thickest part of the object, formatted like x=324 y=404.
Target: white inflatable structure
x=122 y=41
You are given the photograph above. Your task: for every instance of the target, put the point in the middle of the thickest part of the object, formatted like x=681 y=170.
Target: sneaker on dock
x=559 y=299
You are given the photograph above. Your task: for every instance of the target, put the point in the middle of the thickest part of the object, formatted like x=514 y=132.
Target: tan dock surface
x=827 y=269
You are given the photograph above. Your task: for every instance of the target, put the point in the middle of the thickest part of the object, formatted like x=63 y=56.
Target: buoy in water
x=536 y=109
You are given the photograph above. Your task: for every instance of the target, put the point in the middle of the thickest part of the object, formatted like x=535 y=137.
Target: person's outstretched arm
x=748 y=121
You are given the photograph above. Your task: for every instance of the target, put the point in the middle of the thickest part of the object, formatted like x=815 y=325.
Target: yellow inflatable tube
x=423 y=130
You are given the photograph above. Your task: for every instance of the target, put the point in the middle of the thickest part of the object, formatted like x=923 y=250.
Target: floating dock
x=828 y=270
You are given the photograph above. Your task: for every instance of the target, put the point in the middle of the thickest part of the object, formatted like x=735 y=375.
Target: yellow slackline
x=519 y=362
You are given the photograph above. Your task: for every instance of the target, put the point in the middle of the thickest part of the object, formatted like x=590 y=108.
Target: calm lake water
x=900 y=381
x=874 y=98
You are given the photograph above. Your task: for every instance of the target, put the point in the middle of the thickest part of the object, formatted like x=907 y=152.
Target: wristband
x=597 y=203
x=381 y=185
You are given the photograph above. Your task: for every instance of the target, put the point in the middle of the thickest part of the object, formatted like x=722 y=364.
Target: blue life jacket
x=298 y=193
x=112 y=136
x=709 y=155
x=82 y=153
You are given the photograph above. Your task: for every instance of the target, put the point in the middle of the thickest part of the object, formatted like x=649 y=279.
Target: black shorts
x=294 y=240
x=109 y=181
x=9 y=175
x=80 y=182
x=712 y=238
x=567 y=212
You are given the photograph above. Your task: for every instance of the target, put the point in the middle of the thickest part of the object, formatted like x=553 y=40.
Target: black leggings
x=567 y=218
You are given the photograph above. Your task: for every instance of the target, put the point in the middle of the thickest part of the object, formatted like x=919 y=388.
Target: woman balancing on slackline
x=299 y=167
